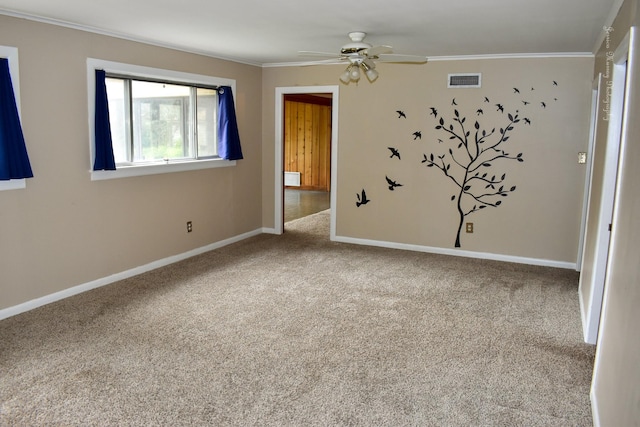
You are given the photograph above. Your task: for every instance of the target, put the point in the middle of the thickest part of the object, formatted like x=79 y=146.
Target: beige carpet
x=295 y=330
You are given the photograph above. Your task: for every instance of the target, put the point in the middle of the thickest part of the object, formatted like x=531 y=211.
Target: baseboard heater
x=292 y=179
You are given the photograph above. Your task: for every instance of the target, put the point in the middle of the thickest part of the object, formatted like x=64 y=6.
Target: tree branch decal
x=469 y=162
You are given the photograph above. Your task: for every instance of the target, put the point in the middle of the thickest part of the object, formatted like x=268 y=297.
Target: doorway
x=307 y=154
x=308 y=182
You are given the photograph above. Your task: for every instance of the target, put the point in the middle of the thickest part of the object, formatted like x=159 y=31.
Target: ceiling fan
x=362 y=55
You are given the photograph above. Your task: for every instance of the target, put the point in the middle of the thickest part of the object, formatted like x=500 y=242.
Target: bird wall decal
x=362 y=199
x=394 y=153
x=417 y=134
x=433 y=112
x=392 y=184
x=401 y=114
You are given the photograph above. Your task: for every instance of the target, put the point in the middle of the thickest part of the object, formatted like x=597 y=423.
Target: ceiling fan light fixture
x=369 y=71
x=355 y=73
x=345 y=77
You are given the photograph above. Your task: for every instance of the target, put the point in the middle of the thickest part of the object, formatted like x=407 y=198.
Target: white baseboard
x=454 y=252
x=47 y=299
x=594 y=409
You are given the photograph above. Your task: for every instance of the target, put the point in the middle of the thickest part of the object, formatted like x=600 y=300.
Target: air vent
x=465 y=80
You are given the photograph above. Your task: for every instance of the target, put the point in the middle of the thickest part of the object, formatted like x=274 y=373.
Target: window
x=14 y=160
x=160 y=120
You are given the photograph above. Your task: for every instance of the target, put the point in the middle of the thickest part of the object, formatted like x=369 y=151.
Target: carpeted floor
x=295 y=330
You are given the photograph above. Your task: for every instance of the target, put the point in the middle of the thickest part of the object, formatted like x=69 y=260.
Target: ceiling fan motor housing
x=356 y=44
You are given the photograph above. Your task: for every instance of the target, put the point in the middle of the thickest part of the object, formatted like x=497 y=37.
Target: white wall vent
x=292 y=179
x=464 y=80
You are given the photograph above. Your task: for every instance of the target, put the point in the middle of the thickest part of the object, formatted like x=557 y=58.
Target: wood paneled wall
x=307 y=140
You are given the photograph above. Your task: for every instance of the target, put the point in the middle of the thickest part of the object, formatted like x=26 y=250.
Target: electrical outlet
x=582 y=158
x=469 y=227
x=189 y=227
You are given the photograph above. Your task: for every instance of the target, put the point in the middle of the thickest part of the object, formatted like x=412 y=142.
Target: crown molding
x=123 y=36
x=187 y=49
x=456 y=58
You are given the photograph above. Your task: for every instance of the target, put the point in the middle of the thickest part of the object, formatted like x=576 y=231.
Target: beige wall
x=616 y=382
x=540 y=220
x=64 y=230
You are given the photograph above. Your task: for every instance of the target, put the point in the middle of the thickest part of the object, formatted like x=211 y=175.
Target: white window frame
x=11 y=53
x=142 y=72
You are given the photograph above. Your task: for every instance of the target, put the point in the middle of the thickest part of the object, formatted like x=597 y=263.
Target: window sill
x=13 y=184
x=141 y=170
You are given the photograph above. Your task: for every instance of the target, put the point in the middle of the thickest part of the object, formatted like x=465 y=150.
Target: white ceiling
x=272 y=32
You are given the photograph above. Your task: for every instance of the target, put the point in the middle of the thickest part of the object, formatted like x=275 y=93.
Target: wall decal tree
x=468 y=165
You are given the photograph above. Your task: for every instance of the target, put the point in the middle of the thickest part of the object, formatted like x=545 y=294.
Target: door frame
x=279 y=152
x=591 y=289
x=593 y=130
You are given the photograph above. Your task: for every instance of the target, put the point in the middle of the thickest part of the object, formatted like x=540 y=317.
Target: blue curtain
x=104 y=159
x=228 y=136
x=14 y=161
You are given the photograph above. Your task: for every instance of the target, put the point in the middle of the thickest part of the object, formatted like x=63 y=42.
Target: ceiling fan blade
x=328 y=61
x=370 y=63
x=402 y=58
x=313 y=53
x=378 y=50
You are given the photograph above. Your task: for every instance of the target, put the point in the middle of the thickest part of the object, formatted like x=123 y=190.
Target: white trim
x=453 y=252
x=595 y=415
x=123 y=36
x=614 y=94
x=57 y=296
x=154 y=73
x=11 y=53
x=279 y=171
x=13 y=184
x=513 y=56
x=75 y=290
x=629 y=49
x=177 y=166
x=453 y=58
x=588 y=175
